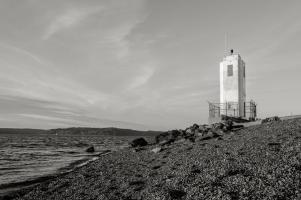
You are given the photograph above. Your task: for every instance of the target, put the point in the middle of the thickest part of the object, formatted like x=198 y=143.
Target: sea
x=25 y=158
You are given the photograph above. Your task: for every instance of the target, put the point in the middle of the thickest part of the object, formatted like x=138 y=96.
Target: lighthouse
x=233 y=85
x=232 y=104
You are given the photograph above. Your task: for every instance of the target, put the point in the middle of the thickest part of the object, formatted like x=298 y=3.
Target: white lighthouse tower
x=232 y=102
x=233 y=85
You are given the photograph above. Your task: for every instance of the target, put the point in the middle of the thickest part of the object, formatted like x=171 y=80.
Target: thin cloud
x=67 y=20
x=23 y=52
x=141 y=79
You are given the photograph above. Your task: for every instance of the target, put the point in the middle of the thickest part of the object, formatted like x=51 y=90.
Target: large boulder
x=139 y=142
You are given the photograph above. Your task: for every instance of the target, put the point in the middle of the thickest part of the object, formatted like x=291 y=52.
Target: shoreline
x=9 y=190
x=259 y=162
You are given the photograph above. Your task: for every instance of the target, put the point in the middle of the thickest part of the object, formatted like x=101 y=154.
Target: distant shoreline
x=109 y=131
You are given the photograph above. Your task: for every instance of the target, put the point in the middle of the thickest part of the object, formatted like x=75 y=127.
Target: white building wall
x=232 y=88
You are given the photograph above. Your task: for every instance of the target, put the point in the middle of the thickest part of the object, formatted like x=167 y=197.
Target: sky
x=142 y=64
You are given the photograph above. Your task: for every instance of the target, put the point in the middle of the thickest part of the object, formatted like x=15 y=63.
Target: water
x=25 y=157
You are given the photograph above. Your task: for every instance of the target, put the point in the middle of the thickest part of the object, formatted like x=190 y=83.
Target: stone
x=169 y=136
x=199 y=134
x=194 y=127
x=228 y=125
x=176 y=194
x=191 y=139
x=217 y=126
x=202 y=128
x=157 y=150
x=188 y=131
x=90 y=149
x=139 y=142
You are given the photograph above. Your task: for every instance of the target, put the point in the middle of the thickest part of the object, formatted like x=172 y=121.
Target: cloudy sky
x=142 y=64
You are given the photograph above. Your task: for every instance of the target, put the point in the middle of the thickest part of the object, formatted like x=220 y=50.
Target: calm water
x=25 y=157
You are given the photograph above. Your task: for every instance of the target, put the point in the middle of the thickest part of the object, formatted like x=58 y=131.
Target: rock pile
x=196 y=131
x=192 y=133
x=270 y=119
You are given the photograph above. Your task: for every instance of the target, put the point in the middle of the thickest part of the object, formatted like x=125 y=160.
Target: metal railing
x=232 y=109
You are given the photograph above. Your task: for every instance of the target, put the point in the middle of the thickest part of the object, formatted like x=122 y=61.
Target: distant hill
x=22 y=131
x=103 y=131
x=81 y=131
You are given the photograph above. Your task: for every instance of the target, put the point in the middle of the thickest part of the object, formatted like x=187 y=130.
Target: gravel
x=257 y=162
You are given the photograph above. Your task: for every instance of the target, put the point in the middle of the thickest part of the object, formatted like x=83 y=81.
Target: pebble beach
x=257 y=162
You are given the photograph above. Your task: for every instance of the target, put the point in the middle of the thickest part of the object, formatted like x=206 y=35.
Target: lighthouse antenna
x=226 y=44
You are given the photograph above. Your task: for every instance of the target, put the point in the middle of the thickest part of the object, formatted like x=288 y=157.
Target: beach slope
x=258 y=162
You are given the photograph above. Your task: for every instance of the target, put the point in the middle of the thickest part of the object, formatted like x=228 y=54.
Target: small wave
x=15 y=186
x=82 y=162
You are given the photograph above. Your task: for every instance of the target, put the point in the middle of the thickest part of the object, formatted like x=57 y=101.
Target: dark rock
x=90 y=149
x=217 y=126
x=156 y=167
x=194 y=127
x=169 y=136
x=139 y=142
x=228 y=125
x=191 y=139
x=215 y=134
x=176 y=194
x=203 y=128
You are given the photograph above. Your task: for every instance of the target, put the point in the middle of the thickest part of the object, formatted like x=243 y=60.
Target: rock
x=157 y=150
x=202 y=128
x=199 y=134
x=228 y=125
x=270 y=119
x=177 y=194
x=217 y=126
x=194 y=127
x=215 y=134
x=191 y=139
x=90 y=149
x=139 y=142
x=188 y=131
x=169 y=136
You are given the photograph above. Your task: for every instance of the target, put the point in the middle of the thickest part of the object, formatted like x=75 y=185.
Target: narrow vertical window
x=230 y=70
x=244 y=71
